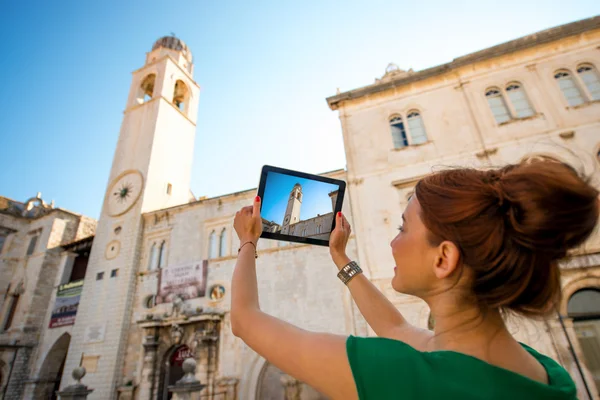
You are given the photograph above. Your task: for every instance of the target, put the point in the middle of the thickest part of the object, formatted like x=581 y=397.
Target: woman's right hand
x=339 y=239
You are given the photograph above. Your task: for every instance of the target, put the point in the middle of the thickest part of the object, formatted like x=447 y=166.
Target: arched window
x=589 y=76
x=146 y=90
x=519 y=100
x=416 y=127
x=304 y=232
x=153 y=259
x=223 y=243
x=398 y=132
x=212 y=245
x=497 y=105
x=32 y=244
x=584 y=308
x=180 y=96
x=318 y=228
x=150 y=301
x=569 y=88
x=162 y=255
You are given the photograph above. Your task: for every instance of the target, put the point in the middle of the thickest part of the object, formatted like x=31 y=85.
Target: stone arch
x=582 y=307
x=169 y=374
x=585 y=282
x=145 y=91
x=181 y=96
x=51 y=371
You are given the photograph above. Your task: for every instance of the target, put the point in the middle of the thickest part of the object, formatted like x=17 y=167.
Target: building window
x=398 y=132
x=150 y=301
x=153 y=259
x=99 y=276
x=162 y=255
x=169 y=188
x=12 y=308
x=497 y=105
x=32 y=244
x=569 y=88
x=518 y=98
x=114 y=273
x=589 y=77
x=318 y=228
x=584 y=308
x=304 y=232
x=212 y=245
x=223 y=243
x=146 y=90
x=180 y=96
x=416 y=128
x=2 y=241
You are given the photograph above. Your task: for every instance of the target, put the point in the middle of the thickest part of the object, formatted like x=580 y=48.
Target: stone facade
x=395 y=131
x=464 y=124
x=30 y=262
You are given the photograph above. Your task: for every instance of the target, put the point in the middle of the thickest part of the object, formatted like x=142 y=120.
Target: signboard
x=180 y=355
x=187 y=281
x=67 y=301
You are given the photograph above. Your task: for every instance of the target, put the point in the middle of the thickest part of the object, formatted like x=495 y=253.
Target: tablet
x=299 y=207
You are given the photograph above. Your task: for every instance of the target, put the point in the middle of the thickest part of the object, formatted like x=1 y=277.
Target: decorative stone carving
x=189 y=384
x=76 y=391
x=176 y=333
x=292 y=387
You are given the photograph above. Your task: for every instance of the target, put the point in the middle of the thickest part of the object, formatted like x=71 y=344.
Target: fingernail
x=339 y=213
x=257 y=198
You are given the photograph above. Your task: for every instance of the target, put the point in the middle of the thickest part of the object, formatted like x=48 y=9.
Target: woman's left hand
x=248 y=222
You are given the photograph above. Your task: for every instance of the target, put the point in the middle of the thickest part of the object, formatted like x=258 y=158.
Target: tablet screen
x=299 y=207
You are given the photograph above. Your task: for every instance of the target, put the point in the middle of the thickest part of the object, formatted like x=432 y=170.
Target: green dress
x=390 y=369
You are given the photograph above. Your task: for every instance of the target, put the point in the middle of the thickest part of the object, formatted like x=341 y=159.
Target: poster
x=65 y=307
x=187 y=281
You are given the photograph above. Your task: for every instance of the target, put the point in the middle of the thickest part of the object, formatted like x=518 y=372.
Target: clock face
x=124 y=192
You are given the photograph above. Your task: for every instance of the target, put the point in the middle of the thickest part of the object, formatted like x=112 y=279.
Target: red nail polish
x=257 y=198
x=339 y=213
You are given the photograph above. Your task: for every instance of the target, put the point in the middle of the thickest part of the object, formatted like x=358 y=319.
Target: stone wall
x=462 y=131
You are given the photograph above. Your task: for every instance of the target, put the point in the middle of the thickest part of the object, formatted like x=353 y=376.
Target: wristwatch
x=349 y=271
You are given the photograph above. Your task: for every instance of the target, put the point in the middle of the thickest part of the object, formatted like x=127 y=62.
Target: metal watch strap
x=349 y=271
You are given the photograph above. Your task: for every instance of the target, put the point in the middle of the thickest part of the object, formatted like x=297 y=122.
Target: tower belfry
x=151 y=170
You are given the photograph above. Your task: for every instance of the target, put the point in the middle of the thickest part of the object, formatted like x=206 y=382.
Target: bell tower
x=151 y=170
x=292 y=212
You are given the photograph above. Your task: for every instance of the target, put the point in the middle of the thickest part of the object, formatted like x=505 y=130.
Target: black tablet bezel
x=338 y=206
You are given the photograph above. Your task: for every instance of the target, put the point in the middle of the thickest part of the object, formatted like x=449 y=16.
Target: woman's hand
x=248 y=223
x=339 y=239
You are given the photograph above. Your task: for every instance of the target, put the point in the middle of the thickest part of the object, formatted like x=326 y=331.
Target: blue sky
x=265 y=69
x=315 y=197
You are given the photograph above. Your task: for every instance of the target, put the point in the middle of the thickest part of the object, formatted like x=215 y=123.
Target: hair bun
x=551 y=208
x=512 y=225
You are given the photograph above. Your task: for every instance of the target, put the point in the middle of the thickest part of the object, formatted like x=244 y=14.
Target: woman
x=473 y=245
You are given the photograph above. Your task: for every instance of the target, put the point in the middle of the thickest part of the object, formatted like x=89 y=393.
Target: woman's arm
x=383 y=317
x=317 y=359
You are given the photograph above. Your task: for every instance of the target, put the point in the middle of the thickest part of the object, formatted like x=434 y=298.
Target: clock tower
x=292 y=211
x=151 y=170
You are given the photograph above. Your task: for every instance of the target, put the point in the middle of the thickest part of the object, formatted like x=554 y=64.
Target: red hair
x=511 y=225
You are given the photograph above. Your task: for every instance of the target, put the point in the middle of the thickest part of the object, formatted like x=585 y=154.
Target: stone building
x=32 y=265
x=534 y=97
x=537 y=96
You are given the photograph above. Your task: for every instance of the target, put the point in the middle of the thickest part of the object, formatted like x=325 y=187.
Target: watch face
x=124 y=192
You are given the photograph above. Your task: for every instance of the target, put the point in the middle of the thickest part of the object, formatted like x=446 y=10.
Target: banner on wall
x=65 y=307
x=187 y=281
